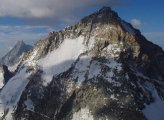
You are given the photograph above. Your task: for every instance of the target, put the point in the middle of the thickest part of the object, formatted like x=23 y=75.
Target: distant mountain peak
x=20 y=42
x=13 y=55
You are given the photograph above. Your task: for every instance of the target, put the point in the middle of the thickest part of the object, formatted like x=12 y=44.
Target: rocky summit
x=98 y=69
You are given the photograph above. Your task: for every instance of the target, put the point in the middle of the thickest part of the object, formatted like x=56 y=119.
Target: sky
x=30 y=20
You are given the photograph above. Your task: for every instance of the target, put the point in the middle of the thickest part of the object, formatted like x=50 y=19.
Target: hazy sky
x=30 y=20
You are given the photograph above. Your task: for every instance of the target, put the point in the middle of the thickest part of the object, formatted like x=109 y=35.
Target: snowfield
x=12 y=92
x=83 y=114
x=61 y=59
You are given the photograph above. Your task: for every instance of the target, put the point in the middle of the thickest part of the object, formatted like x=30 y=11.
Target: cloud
x=136 y=22
x=22 y=28
x=61 y=10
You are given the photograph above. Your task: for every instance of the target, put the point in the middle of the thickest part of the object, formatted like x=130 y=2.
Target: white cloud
x=136 y=22
x=60 y=9
x=10 y=28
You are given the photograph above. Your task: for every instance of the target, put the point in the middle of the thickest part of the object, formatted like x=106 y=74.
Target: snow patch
x=114 y=50
x=95 y=69
x=12 y=92
x=61 y=59
x=81 y=68
x=29 y=104
x=113 y=64
x=31 y=60
x=113 y=97
x=91 y=43
x=69 y=87
x=33 y=55
x=83 y=114
x=47 y=78
x=14 y=67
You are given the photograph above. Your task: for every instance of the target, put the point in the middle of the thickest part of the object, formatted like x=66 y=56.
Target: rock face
x=1 y=77
x=99 y=69
x=5 y=75
x=13 y=55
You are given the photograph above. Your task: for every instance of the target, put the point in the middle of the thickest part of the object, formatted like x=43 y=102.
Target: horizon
x=34 y=21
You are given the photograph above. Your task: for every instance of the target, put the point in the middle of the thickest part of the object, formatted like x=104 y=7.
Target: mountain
x=98 y=69
x=13 y=55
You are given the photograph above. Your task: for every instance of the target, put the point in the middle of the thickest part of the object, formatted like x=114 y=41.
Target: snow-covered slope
x=12 y=91
x=100 y=68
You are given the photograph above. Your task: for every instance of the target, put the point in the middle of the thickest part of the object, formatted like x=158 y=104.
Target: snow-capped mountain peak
x=99 y=68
